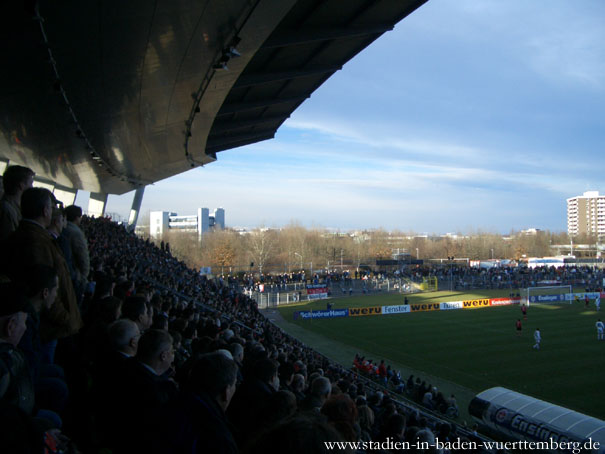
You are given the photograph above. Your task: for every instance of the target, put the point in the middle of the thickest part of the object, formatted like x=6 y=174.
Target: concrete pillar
x=136 y=208
x=65 y=195
x=96 y=204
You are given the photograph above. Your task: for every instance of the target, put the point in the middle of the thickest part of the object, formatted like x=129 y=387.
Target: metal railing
x=279 y=295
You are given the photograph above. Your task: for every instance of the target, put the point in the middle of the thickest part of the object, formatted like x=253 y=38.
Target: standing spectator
x=16 y=179
x=31 y=244
x=76 y=242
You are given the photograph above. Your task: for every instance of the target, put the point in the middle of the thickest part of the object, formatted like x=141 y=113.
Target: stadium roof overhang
x=110 y=96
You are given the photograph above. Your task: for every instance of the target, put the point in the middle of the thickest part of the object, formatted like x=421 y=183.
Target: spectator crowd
x=416 y=389
x=108 y=343
x=462 y=277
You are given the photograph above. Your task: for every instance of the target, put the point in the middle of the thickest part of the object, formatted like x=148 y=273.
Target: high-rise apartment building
x=586 y=214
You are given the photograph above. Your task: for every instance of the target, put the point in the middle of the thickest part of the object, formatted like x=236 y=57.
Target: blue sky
x=468 y=116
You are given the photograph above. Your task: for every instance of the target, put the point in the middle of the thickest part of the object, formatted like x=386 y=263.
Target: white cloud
x=374 y=137
x=575 y=55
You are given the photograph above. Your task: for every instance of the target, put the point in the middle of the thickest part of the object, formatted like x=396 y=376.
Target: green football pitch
x=473 y=349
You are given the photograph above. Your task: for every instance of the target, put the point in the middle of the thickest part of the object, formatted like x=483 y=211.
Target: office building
x=202 y=222
x=586 y=214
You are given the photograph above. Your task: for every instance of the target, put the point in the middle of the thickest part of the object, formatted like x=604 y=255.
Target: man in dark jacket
x=16 y=180
x=197 y=422
x=143 y=394
x=252 y=397
x=31 y=244
x=110 y=378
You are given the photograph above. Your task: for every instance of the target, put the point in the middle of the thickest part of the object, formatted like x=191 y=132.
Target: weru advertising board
x=425 y=307
x=475 y=304
x=363 y=311
x=407 y=308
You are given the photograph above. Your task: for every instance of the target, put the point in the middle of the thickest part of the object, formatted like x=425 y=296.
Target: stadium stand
x=137 y=389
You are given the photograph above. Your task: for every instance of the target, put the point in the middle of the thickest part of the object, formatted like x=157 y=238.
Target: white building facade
x=202 y=222
x=586 y=214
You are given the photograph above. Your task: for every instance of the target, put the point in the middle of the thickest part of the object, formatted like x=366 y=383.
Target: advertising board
x=403 y=309
x=332 y=313
x=475 y=304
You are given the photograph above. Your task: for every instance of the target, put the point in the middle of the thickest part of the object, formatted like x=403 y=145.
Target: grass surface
x=475 y=349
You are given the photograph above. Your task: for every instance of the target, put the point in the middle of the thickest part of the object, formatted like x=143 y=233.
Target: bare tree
x=260 y=247
x=295 y=246
x=295 y=240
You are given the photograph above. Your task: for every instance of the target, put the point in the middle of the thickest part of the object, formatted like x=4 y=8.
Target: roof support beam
x=321 y=34
x=213 y=151
x=222 y=126
x=235 y=107
x=234 y=138
x=248 y=80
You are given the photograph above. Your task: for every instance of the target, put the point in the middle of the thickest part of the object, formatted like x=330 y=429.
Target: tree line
x=294 y=247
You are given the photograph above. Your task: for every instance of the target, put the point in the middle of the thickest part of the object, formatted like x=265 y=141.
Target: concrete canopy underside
x=110 y=96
